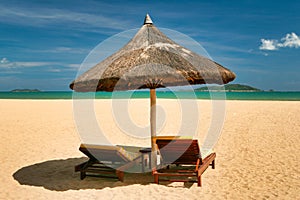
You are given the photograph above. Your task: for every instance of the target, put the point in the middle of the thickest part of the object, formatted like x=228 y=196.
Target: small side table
x=146 y=151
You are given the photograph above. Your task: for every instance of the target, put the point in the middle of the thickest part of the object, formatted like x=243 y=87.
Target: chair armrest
x=206 y=162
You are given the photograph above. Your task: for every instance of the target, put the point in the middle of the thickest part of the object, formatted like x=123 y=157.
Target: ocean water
x=282 y=96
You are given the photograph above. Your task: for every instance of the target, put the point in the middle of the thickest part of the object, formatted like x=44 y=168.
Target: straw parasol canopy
x=151 y=60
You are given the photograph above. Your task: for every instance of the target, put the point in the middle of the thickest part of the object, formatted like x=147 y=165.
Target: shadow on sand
x=59 y=175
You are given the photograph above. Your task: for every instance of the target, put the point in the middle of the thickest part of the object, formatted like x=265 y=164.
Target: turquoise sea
x=282 y=96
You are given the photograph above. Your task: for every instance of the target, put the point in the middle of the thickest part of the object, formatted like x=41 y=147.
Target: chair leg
x=82 y=175
x=199 y=181
x=120 y=175
x=213 y=164
x=156 y=180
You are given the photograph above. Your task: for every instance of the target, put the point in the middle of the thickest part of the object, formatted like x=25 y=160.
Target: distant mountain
x=230 y=87
x=25 y=90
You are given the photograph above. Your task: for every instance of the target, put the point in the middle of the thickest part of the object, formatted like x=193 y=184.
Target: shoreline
x=158 y=99
x=265 y=96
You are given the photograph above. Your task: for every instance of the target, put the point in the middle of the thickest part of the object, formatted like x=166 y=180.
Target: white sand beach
x=258 y=152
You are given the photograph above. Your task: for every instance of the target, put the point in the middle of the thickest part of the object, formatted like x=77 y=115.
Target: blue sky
x=43 y=43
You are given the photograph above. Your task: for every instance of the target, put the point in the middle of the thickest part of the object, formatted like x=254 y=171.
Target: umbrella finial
x=148 y=19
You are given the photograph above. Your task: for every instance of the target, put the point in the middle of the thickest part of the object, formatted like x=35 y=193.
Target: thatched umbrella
x=151 y=60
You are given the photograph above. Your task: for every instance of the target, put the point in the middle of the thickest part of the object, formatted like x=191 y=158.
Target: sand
x=258 y=153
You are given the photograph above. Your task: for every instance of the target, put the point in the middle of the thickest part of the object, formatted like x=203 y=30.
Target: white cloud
x=32 y=64
x=63 y=49
x=4 y=61
x=46 y=16
x=291 y=40
x=8 y=66
x=54 y=70
x=268 y=45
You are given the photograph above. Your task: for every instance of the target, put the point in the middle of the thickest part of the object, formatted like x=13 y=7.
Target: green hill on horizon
x=230 y=87
x=25 y=90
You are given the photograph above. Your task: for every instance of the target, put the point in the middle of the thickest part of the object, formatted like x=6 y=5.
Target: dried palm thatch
x=151 y=60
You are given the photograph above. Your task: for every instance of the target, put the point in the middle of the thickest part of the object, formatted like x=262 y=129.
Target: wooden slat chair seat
x=106 y=161
x=185 y=154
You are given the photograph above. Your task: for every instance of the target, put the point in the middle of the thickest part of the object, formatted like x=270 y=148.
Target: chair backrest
x=103 y=153
x=179 y=151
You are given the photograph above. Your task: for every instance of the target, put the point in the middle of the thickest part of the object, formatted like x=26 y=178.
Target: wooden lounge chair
x=185 y=155
x=107 y=161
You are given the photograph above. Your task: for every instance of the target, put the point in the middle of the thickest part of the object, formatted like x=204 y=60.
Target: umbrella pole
x=153 y=127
